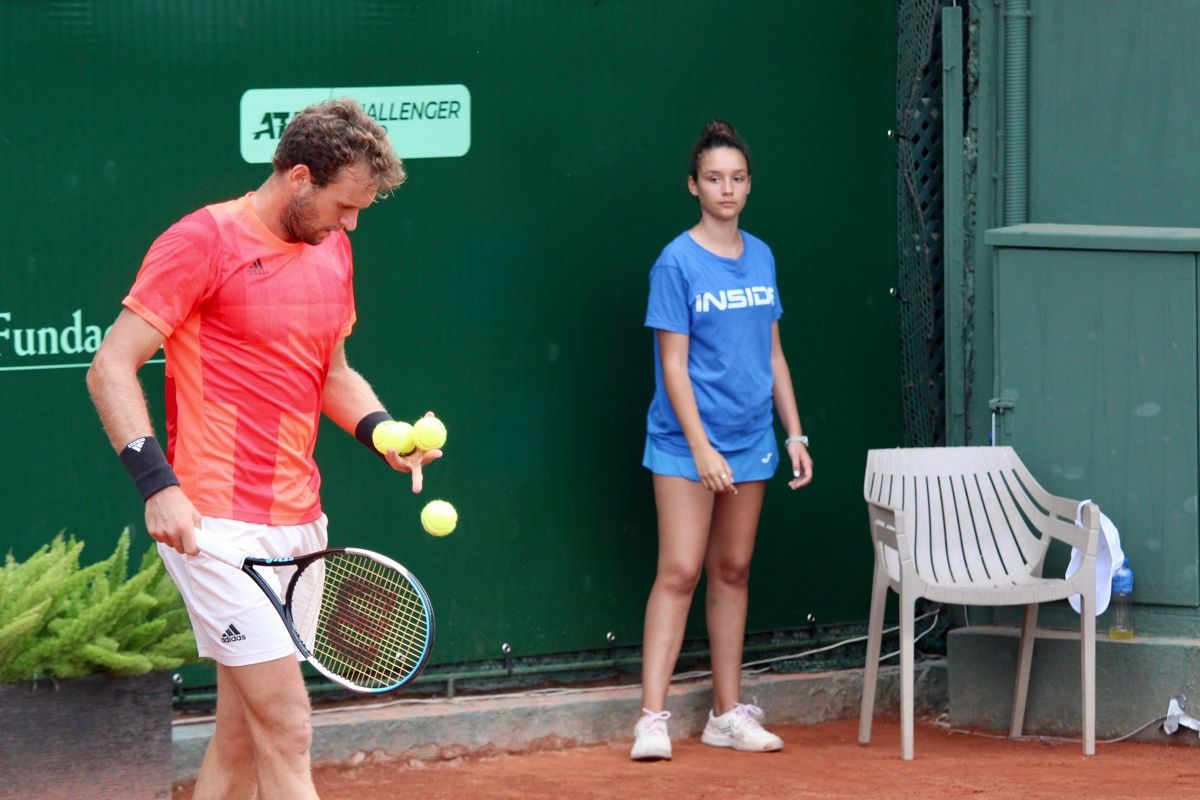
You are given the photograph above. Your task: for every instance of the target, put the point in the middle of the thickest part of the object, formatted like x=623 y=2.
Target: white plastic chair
x=970 y=526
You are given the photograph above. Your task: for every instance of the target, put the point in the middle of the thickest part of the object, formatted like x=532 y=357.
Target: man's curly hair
x=328 y=136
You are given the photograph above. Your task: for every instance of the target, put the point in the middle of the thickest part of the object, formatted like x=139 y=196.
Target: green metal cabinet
x=1096 y=364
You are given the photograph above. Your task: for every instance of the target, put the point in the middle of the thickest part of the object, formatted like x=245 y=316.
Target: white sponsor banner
x=421 y=121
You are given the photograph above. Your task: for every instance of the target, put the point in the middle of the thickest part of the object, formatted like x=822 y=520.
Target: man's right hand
x=172 y=519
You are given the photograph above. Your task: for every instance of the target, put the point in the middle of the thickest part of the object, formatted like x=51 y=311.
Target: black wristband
x=366 y=427
x=148 y=466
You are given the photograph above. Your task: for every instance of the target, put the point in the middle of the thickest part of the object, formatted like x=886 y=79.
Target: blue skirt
x=756 y=463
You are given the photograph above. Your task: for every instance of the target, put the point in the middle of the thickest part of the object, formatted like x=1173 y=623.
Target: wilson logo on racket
x=358 y=620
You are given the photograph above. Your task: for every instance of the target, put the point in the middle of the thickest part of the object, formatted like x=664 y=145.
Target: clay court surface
x=822 y=760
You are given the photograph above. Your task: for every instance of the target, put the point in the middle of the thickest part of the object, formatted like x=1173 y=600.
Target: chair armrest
x=887 y=526
x=1087 y=539
x=1059 y=507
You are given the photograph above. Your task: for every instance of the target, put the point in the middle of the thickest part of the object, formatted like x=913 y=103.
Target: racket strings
x=363 y=621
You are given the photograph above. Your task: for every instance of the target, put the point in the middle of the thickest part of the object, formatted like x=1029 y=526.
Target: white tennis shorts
x=234 y=622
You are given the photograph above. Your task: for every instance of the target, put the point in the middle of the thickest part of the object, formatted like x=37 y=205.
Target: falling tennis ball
x=428 y=433
x=438 y=517
x=393 y=434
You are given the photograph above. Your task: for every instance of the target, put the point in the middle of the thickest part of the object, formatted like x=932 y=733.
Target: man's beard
x=296 y=221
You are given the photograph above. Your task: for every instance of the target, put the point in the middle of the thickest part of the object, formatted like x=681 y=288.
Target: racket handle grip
x=214 y=547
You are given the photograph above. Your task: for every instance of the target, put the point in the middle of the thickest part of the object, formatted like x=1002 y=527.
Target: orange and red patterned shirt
x=251 y=323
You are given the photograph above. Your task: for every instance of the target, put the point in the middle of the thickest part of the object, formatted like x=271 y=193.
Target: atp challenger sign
x=421 y=121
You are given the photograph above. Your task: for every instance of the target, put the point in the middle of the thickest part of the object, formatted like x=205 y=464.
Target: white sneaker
x=740 y=729
x=650 y=739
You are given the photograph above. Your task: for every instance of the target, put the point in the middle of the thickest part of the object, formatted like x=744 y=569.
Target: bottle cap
x=1123 y=580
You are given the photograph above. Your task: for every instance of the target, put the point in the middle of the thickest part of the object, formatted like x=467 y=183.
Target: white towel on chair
x=1109 y=558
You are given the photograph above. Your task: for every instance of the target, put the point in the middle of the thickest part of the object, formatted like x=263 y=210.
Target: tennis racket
x=359 y=618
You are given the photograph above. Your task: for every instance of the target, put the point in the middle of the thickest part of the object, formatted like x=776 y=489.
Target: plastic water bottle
x=1121 y=606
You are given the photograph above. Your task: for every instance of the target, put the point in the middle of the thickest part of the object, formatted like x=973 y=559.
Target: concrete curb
x=452 y=728
x=1135 y=681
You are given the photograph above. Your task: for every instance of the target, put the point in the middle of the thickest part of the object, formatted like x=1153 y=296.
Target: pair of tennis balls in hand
x=427 y=433
x=438 y=518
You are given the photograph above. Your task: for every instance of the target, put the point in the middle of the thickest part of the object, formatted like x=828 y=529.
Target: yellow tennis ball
x=394 y=434
x=429 y=433
x=438 y=517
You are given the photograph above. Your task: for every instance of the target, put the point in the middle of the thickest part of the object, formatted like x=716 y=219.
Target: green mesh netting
x=919 y=221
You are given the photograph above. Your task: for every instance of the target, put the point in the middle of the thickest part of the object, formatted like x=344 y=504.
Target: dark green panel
x=1113 y=113
x=1097 y=351
x=504 y=289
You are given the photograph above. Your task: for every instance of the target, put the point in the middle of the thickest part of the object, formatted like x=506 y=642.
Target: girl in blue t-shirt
x=718 y=369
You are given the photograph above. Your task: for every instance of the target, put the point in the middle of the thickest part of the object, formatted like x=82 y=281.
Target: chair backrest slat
x=1013 y=484
x=979 y=542
x=972 y=565
x=1017 y=539
x=942 y=529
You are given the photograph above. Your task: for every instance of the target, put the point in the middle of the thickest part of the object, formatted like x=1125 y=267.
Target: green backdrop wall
x=504 y=288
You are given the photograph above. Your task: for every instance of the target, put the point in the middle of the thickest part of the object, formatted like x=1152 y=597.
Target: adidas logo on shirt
x=256 y=268
x=232 y=634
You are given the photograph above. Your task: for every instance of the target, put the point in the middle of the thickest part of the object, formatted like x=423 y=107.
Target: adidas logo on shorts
x=232 y=634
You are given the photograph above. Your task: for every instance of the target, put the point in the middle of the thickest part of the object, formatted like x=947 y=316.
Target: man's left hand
x=412 y=463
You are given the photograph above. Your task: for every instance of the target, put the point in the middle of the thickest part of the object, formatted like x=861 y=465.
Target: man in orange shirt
x=252 y=300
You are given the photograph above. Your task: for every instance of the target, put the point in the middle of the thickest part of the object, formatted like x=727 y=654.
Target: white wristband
x=792 y=439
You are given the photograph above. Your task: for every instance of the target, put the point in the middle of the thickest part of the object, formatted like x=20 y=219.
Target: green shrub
x=60 y=620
